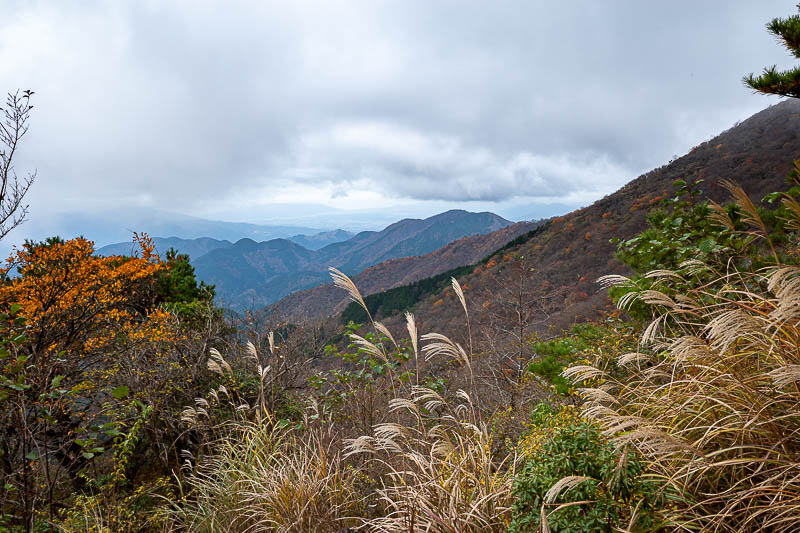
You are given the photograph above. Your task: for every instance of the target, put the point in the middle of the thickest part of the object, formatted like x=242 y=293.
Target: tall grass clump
x=259 y=474
x=440 y=473
x=427 y=465
x=711 y=400
x=268 y=479
x=438 y=470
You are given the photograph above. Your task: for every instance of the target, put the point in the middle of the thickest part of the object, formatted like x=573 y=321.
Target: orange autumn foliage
x=79 y=306
x=90 y=347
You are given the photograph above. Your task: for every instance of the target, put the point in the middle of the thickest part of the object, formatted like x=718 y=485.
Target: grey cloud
x=178 y=105
x=428 y=166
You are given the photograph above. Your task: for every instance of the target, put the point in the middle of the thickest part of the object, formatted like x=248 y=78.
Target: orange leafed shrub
x=62 y=285
x=83 y=336
x=78 y=306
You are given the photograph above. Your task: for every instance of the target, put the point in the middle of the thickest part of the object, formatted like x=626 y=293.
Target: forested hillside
x=557 y=268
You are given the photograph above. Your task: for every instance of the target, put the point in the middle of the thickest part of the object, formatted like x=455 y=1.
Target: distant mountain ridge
x=106 y=227
x=250 y=274
x=322 y=239
x=327 y=299
x=193 y=247
x=200 y=246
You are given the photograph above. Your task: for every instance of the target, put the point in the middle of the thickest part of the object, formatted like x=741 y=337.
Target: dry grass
x=441 y=474
x=712 y=399
x=270 y=480
x=431 y=467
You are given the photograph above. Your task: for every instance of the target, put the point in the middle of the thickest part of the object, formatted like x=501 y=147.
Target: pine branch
x=788 y=32
x=771 y=81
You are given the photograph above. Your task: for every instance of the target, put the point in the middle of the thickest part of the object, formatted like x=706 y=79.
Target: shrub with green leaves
x=739 y=235
x=551 y=356
x=679 y=229
x=577 y=481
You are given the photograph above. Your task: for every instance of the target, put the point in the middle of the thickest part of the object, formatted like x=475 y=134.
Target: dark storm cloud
x=185 y=105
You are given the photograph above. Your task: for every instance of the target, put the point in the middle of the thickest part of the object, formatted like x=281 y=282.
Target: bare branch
x=13 y=127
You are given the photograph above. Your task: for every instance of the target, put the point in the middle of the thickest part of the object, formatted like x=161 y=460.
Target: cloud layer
x=227 y=107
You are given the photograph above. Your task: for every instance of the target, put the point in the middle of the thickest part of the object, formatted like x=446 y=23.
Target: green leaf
x=120 y=392
x=32 y=455
x=707 y=245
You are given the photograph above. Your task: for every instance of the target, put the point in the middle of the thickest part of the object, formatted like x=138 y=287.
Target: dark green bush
x=573 y=447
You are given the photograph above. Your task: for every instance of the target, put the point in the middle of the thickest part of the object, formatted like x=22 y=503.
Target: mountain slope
x=322 y=239
x=408 y=237
x=554 y=271
x=327 y=299
x=250 y=274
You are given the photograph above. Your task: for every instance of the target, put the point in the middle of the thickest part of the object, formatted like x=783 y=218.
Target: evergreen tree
x=771 y=81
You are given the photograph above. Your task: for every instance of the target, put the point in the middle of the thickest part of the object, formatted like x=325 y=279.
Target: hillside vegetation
x=568 y=254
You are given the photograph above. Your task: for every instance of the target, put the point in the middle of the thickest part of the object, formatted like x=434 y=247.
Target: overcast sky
x=225 y=109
